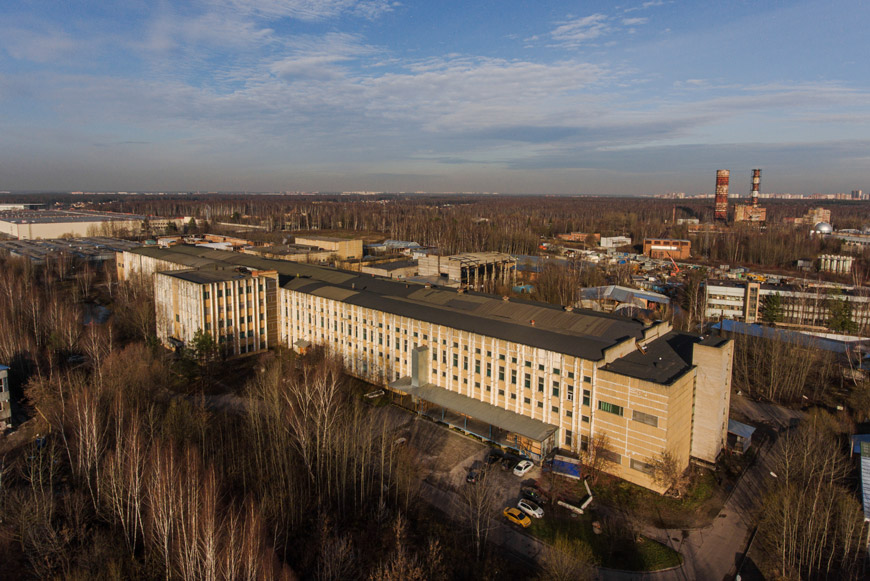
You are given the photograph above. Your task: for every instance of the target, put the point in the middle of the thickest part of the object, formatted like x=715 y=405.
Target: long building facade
x=528 y=376
x=744 y=301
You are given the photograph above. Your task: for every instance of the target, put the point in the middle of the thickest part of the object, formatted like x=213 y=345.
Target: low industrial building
x=529 y=376
x=614 y=298
x=471 y=270
x=46 y=224
x=97 y=249
x=835 y=263
x=391 y=269
x=343 y=248
x=615 y=241
x=664 y=248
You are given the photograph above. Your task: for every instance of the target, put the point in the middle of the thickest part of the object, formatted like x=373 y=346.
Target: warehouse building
x=528 y=376
x=472 y=270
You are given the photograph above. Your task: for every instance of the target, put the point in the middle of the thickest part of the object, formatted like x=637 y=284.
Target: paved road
x=713 y=552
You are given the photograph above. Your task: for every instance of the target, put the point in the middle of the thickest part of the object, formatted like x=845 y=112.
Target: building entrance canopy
x=496 y=416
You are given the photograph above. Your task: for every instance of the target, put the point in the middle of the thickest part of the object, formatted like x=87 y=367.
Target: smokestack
x=756 y=183
x=720 y=208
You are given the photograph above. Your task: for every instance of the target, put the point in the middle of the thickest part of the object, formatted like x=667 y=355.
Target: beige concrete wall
x=345 y=249
x=713 y=394
x=220 y=309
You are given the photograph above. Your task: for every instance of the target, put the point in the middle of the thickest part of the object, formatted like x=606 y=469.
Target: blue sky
x=508 y=96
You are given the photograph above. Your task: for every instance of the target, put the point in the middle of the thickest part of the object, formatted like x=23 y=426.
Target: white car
x=530 y=508
x=523 y=467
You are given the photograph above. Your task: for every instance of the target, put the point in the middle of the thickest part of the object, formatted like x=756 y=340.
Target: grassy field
x=611 y=549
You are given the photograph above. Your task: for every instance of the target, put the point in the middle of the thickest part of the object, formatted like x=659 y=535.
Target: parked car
x=530 y=508
x=494 y=457
x=523 y=467
x=472 y=477
x=517 y=517
x=533 y=494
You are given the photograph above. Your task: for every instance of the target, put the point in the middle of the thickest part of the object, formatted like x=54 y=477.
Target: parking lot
x=446 y=457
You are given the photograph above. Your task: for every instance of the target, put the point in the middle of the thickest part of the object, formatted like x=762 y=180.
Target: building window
x=555 y=389
x=555 y=371
x=540 y=367
x=455 y=360
x=501 y=392
x=641 y=466
x=528 y=363
x=513 y=396
x=489 y=353
x=527 y=401
x=476 y=385
x=501 y=357
x=584 y=419
x=513 y=360
x=570 y=375
x=514 y=376
x=555 y=409
x=643 y=418
x=587 y=395
x=435 y=355
x=587 y=379
x=477 y=350
x=541 y=404
x=569 y=413
x=584 y=443
x=477 y=366
x=540 y=385
x=610 y=408
x=465 y=363
x=488 y=369
x=501 y=373
x=570 y=393
x=528 y=381
x=610 y=456
x=568 y=438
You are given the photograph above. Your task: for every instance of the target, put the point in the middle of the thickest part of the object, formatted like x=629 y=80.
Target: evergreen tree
x=840 y=314
x=772 y=309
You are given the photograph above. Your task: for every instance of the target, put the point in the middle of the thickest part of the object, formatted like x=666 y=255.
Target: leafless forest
x=135 y=476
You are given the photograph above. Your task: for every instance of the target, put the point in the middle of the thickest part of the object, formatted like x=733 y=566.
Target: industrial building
x=97 y=249
x=744 y=301
x=47 y=224
x=615 y=241
x=528 y=376
x=835 y=263
x=664 y=248
x=343 y=248
x=229 y=303
x=391 y=269
x=471 y=270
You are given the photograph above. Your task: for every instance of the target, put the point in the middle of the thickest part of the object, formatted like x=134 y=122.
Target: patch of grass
x=700 y=503
x=616 y=553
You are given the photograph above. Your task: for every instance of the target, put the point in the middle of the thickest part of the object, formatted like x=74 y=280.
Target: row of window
x=638 y=416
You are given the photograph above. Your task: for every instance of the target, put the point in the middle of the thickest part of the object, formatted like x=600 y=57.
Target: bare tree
x=567 y=560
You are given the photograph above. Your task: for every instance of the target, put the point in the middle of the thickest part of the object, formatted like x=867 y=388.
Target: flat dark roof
x=580 y=333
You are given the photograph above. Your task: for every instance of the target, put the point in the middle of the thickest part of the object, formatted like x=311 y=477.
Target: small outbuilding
x=739 y=436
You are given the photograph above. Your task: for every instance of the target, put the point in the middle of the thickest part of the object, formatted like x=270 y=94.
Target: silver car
x=530 y=508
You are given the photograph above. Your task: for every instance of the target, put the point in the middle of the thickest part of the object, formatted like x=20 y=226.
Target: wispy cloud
x=312 y=10
x=581 y=30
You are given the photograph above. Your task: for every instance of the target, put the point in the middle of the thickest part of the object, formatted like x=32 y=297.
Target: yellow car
x=517 y=517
